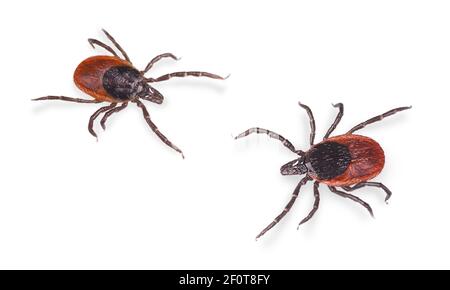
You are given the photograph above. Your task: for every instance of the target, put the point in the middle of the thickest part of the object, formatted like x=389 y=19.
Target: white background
x=128 y=201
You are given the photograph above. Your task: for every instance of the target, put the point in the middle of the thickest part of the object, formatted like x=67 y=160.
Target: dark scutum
x=329 y=159
x=121 y=82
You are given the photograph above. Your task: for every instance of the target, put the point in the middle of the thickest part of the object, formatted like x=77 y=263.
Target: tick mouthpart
x=294 y=167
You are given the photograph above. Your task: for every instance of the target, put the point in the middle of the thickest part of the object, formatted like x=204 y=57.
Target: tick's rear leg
x=95 y=115
x=110 y=112
x=185 y=74
x=377 y=118
x=156 y=59
x=271 y=134
x=352 y=197
x=117 y=45
x=315 y=206
x=375 y=184
x=336 y=121
x=287 y=208
x=67 y=99
x=312 y=123
x=101 y=44
x=155 y=129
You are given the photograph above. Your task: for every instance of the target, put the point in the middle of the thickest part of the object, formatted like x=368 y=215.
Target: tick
x=115 y=80
x=346 y=161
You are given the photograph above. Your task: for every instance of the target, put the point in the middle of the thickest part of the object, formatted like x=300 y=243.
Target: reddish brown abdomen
x=88 y=76
x=367 y=160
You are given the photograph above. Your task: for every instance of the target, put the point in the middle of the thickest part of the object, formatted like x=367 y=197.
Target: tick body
x=108 y=79
x=346 y=161
x=115 y=80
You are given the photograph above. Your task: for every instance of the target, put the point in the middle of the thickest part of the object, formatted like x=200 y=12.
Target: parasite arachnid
x=115 y=80
x=346 y=161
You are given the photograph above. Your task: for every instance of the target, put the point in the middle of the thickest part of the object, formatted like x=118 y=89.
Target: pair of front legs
x=333 y=189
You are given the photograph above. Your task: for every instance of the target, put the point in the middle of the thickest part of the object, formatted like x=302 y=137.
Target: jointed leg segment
x=336 y=121
x=155 y=129
x=352 y=197
x=315 y=206
x=107 y=47
x=67 y=99
x=287 y=208
x=95 y=115
x=312 y=123
x=110 y=112
x=271 y=134
x=184 y=74
x=377 y=118
x=369 y=183
x=101 y=44
x=156 y=59
x=117 y=45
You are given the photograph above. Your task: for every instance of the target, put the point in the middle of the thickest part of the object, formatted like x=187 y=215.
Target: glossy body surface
x=89 y=76
x=347 y=161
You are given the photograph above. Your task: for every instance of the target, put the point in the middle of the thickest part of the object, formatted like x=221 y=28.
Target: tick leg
x=185 y=74
x=287 y=208
x=110 y=112
x=336 y=121
x=315 y=206
x=352 y=197
x=377 y=118
x=95 y=115
x=375 y=184
x=155 y=129
x=117 y=45
x=312 y=123
x=156 y=59
x=271 y=134
x=67 y=99
x=101 y=44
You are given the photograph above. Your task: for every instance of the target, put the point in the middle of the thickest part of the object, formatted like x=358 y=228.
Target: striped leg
x=375 y=184
x=67 y=99
x=110 y=112
x=185 y=74
x=352 y=197
x=271 y=134
x=377 y=118
x=117 y=45
x=286 y=209
x=156 y=59
x=155 y=129
x=315 y=207
x=312 y=123
x=336 y=121
x=95 y=115
x=101 y=44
